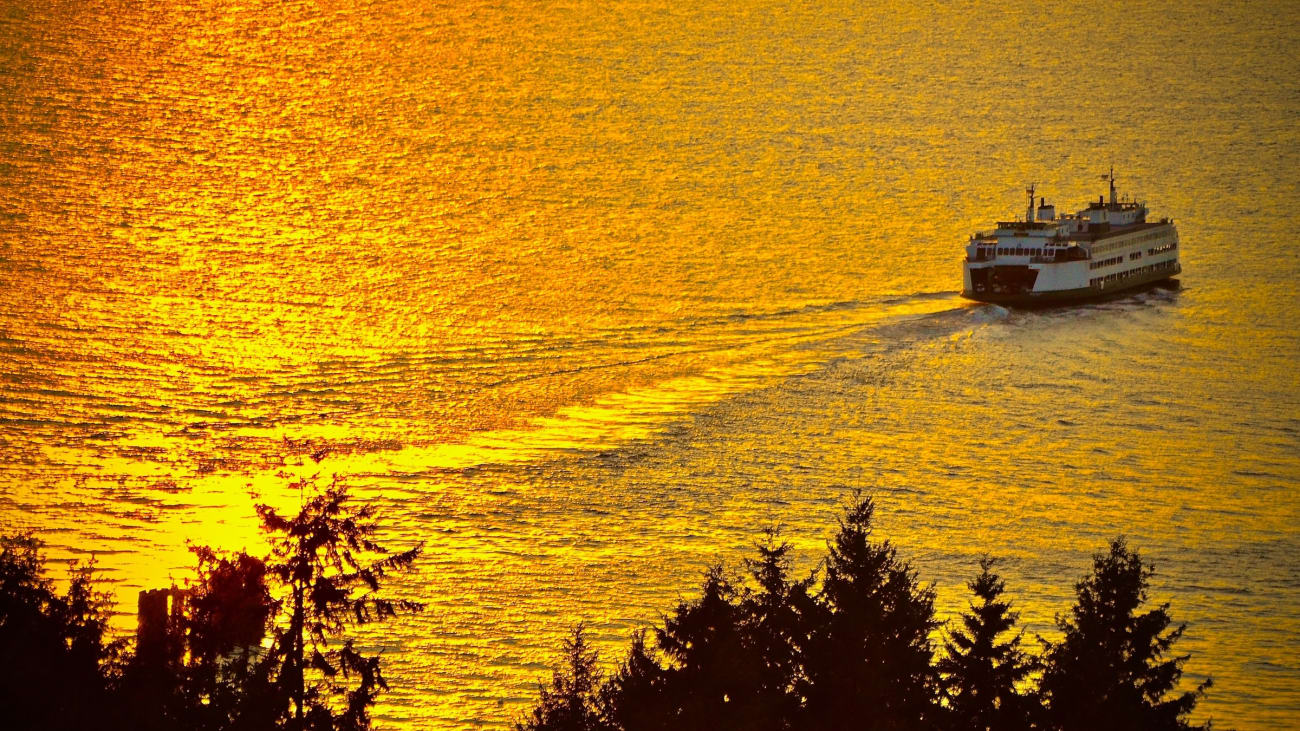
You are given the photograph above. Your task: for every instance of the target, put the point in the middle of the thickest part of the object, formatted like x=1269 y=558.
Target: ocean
x=584 y=296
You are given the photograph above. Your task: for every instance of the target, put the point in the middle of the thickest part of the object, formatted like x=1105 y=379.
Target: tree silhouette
x=572 y=702
x=1110 y=670
x=774 y=625
x=868 y=657
x=57 y=671
x=330 y=564
x=710 y=675
x=228 y=682
x=633 y=698
x=979 y=674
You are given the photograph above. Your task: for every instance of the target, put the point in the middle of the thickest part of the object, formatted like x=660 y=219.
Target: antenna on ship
x=1029 y=217
x=1111 y=178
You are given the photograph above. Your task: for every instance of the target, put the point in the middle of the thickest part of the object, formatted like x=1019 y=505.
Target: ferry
x=1106 y=248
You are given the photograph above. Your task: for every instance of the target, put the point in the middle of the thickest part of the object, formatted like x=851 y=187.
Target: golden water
x=583 y=295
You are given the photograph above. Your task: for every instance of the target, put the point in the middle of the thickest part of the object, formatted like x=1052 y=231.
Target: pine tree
x=774 y=627
x=732 y=655
x=632 y=699
x=978 y=673
x=57 y=669
x=328 y=561
x=572 y=702
x=1111 y=669
x=868 y=657
x=711 y=673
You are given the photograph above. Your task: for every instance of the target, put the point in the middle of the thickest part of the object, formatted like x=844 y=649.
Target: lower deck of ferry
x=1154 y=275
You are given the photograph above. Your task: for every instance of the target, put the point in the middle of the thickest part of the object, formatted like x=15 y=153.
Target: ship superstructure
x=1108 y=247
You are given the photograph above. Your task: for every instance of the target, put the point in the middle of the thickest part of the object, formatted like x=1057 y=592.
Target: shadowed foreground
x=851 y=646
x=262 y=643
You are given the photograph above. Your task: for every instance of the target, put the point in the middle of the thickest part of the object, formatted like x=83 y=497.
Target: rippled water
x=583 y=295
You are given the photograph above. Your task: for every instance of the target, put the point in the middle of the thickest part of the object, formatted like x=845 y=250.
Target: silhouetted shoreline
x=263 y=643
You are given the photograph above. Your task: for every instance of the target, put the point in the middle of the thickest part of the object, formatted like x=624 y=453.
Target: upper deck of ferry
x=1099 y=221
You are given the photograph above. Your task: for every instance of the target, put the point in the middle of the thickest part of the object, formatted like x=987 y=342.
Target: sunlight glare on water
x=585 y=295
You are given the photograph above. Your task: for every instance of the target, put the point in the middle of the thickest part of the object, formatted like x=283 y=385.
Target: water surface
x=584 y=295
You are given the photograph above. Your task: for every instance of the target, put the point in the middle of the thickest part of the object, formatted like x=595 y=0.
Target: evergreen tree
x=572 y=702
x=732 y=655
x=774 y=627
x=633 y=698
x=978 y=673
x=1111 y=669
x=711 y=674
x=868 y=656
x=57 y=670
x=331 y=566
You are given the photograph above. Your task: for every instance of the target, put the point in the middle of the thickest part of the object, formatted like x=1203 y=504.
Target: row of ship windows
x=1129 y=242
x=1025 y=251
x=1161 y=266
x=1018 y=251
x=1134 y=256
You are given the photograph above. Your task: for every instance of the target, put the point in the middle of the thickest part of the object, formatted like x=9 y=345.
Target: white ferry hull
x=1050 y=297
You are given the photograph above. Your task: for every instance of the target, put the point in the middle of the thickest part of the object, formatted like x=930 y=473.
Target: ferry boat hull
x=1053 y=298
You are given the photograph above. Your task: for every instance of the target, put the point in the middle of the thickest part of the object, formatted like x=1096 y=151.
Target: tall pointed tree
x=711 y=674
x=572 y=703
x=868 y=658
x=1112 y=669
x=632 y=699
x=980 y=673
x=774 y=627
x=327 y=558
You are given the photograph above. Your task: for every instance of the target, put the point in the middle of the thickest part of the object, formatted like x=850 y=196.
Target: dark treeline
x=851 y=647
x=263 y=643
x=253 y=643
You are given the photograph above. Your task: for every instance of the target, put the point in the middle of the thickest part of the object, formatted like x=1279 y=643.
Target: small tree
x=57 y=671
x=1110 y=670
x=632 y=699
x=572 y=702
x=979 y=674
x=228 y=682
x=868 y=656
x=327 y=559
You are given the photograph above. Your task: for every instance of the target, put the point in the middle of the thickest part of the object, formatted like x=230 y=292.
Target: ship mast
x=1029 y=217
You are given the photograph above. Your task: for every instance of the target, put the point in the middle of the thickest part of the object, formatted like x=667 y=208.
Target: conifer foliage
x=327 y=558
x=850 y=646
x=57 y=668
x=982 y=670
x=869 y=655
x=208 y=664
x=572 y=701
x=1112 y=669
x=262 y=643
